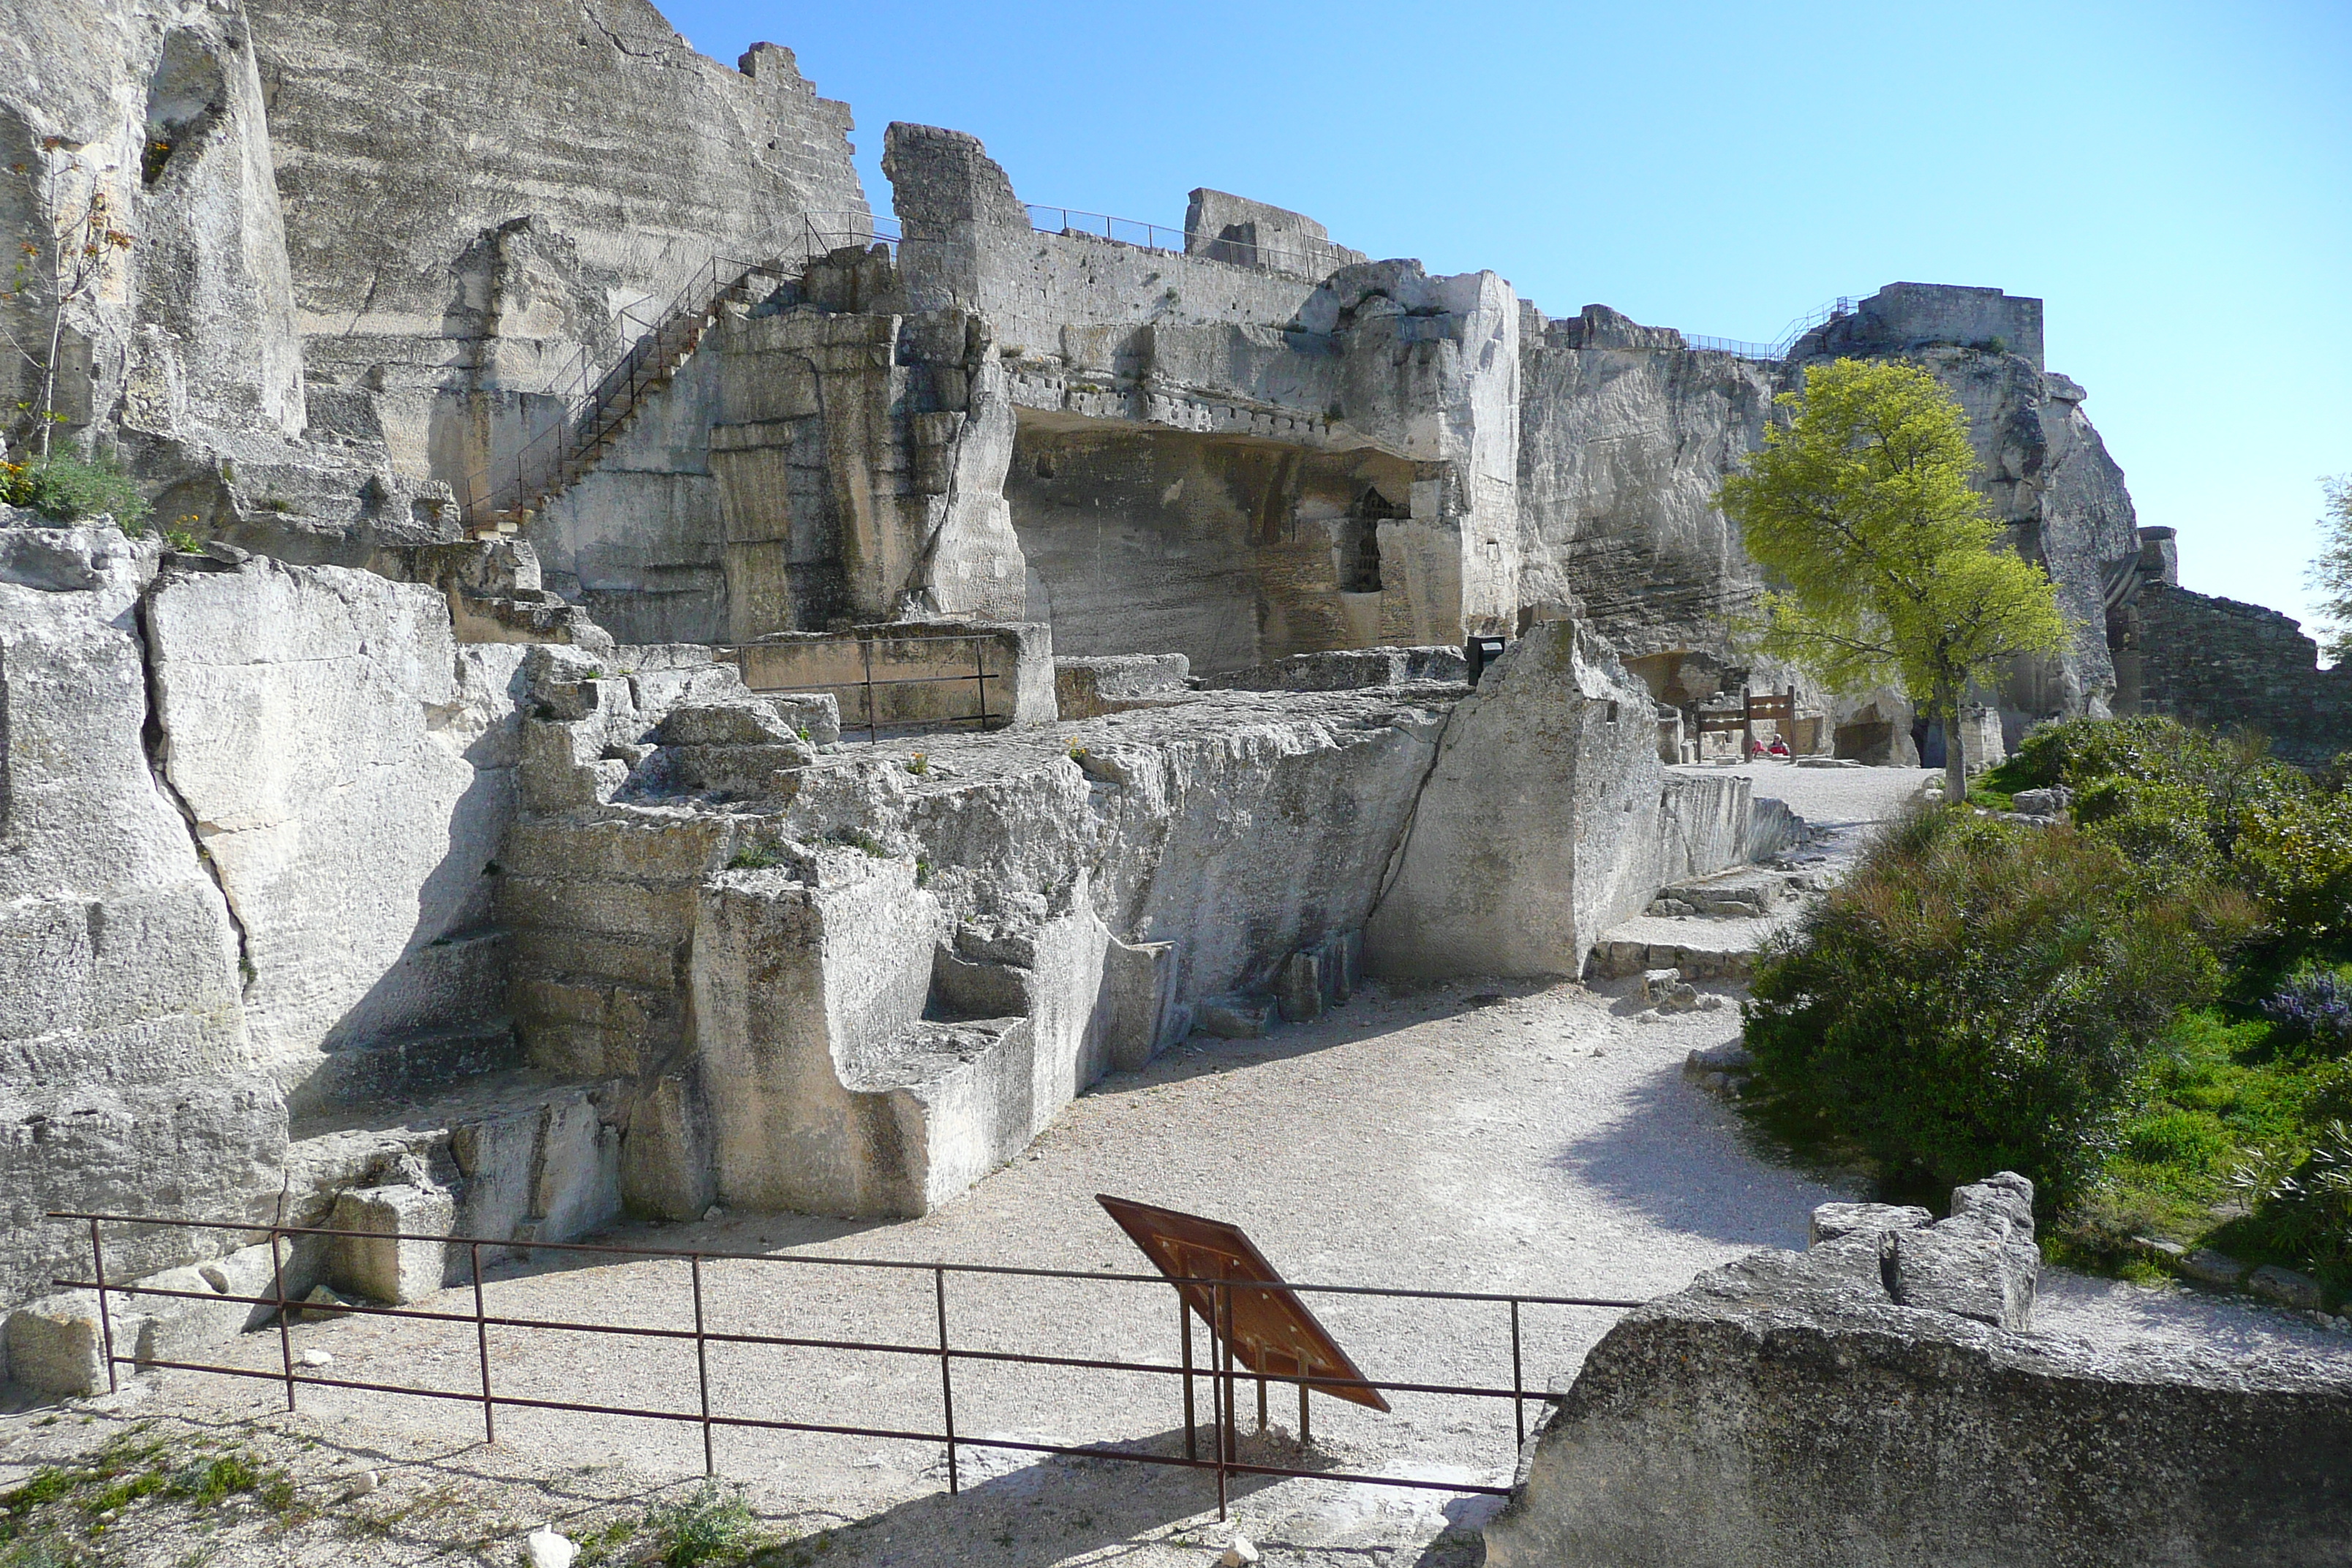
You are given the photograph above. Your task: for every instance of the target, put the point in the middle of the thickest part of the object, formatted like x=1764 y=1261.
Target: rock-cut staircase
x=599 y=417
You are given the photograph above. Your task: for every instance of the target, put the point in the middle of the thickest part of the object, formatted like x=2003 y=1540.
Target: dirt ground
x=1487 y=1136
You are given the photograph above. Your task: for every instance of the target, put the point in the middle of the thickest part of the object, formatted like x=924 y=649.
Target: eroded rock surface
x=1787 y=1411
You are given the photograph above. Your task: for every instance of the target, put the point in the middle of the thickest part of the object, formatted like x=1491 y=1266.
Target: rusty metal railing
x=869 y=685
x=1225 y=1382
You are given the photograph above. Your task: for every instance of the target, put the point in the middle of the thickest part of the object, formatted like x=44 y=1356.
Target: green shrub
x=2296 y=854
x=711 y=1525
x=1980 y=995
x=2076 y=750
x=2303 y=1206
x=64 y=488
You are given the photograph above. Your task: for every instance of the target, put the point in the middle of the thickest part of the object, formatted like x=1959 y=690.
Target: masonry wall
x=2217 y=662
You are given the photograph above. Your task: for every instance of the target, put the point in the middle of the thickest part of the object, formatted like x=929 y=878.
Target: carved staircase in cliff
x=598 y=408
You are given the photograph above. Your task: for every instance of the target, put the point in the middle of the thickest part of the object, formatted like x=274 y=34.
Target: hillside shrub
x=1982 y=996
x=64 y=488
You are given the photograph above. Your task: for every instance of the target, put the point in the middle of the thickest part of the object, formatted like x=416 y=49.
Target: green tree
x=2331 y=572
x=1889 y=569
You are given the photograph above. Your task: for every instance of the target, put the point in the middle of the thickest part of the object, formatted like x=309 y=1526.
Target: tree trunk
x=1956 y=764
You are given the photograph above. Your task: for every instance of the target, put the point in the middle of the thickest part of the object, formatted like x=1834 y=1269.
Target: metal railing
x=1225 y=1382
x=869 y=685
x=1156 y=237
x=1774 y=352
x=595 y=402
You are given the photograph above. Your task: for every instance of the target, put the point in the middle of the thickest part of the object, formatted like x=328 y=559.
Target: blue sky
x=2175 y=181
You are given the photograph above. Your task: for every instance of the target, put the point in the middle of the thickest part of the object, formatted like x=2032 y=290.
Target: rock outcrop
x=318 y=720
x=1877 y=1400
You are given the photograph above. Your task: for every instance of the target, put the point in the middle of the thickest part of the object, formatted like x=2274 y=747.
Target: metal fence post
x=1518 y=1400
x=872 y=715
x=702 y=1365
x=105 y=1312
x=285 y=1339
x=1184 y=1326
x=947 y=1381
x=482 y=1349
x=1219 y=1352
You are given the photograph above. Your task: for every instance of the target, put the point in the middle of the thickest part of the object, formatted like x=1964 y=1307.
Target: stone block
x=1731 y=1057
x=1300 y=990
x=666 y=1170
x=1091 y=687
x=1782 y=1413
x=1666 y=988
x=750 y=722
x=186 y=1327
x=1486 y=883
x=2006 y=1195
x=381 y=1267
x=251 y=1272
x=2286 y=1287
x=1140 y=979
x=1976 y=1266
x=1861 y=1258
x=54 y=1347
x=2208 y=1267
x=1832 y=1221
x=1235 y=1017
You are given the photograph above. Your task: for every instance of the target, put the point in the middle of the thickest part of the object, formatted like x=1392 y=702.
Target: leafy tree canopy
x=2331 y=573
x=1889 y=569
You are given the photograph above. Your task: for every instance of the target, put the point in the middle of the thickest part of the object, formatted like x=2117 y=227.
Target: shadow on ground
x=1684 y=1162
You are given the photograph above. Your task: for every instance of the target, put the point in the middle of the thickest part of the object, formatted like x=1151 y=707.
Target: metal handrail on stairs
x=598 y=404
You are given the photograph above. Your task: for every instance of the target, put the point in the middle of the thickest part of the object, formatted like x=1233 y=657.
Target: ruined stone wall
x=2226 y=665
x=471 y=192
x=969 y=244
x=1227 y=227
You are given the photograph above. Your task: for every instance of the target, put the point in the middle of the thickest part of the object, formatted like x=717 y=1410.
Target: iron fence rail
x=1222 y=1378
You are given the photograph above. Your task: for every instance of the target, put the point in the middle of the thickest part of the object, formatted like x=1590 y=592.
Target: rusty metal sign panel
x=1269 y=1331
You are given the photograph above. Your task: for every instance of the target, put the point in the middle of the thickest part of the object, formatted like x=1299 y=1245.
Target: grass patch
x=64 y=1513
x=64 y=489
x=713 y=1527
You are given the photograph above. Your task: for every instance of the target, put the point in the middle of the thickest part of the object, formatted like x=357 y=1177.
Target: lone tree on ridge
x=1890 y=569
x=2331 y=572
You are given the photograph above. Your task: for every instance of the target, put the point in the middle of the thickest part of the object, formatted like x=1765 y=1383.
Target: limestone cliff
x=2041 y=463
x=1625 y=438
x=472 y=192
